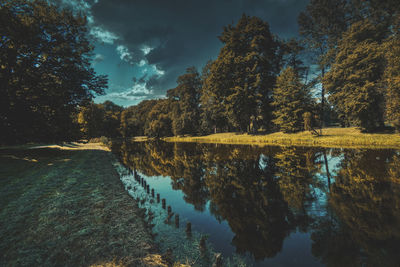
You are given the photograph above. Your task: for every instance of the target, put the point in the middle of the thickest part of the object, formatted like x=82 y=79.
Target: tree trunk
x=322 y=101
x=327 y=171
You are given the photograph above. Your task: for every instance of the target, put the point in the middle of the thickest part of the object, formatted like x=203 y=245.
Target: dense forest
x=343 y=69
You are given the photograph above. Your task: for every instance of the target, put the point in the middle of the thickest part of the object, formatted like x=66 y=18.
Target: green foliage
x=45 y=71
x=354 y=80
x=392 y=81
x=292 y=50
x=133 y=119
x=290 y=100
x=159 y=122
x=98 y=120
x=240 y=80
x=321 y=25
x=307 y=117
x=186 y=116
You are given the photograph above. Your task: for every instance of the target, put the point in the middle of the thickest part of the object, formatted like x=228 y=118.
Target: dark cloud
x=183 y=33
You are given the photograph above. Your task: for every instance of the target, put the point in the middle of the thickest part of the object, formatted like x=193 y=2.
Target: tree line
x=344 y=69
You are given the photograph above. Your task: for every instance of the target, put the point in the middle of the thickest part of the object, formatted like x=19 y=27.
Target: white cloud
x=98 y=58
x=103 y=35
x=146 y=49
x=124 y=53
x=136 y=92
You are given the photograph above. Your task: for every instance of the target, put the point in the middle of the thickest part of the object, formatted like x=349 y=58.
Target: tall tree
x=290 y=100
x=91 y=120
x=133 y=118
x=321 y=25
x=158 y=121
x=45 y=72
x=354 y=79
x=392 y=80
x=292 y=56
x=186 y=116
x=242 y=77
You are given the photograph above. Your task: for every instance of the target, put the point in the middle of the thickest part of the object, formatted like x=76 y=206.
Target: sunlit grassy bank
x=332 y=137
x=66 y=206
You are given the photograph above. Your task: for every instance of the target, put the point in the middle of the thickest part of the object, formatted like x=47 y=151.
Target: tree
x=133 y=118
x=292 y=50
x=45 y=70
x=290 y=100
x=241 y=79
x=322 y=24
x=158 y=121
x=186 y=116
x=112 y=119
x=354 y=79
x=392 y=81
x=91 y=118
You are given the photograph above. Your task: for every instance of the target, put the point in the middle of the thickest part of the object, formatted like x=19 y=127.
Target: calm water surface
x=274 y=206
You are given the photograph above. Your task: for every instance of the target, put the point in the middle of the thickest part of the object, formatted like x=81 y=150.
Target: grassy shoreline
x=332 y=137
x=65 y=205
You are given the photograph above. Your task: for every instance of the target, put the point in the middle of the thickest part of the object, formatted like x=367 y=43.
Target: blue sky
x=144 y=45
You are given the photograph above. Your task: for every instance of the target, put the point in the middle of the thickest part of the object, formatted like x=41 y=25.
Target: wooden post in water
x=152 y=192
x=148 y=189
x=177 y=220
x=163 y=203
x=158 y=198
x=169 y=209
x=217 y=260
x=188 y=228
x=202 y=244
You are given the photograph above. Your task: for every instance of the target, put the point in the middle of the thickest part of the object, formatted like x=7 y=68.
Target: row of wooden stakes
x=202 y=244
x=144 y=184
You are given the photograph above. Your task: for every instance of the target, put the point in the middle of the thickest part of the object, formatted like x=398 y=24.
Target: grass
x=65 y=206
x=331 y=137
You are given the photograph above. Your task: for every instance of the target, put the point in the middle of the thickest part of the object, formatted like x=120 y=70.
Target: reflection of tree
x=295 y=170
x=367 y=204
x=247 y=196
x=331 y=243
x=266 y=193
x=179 y=161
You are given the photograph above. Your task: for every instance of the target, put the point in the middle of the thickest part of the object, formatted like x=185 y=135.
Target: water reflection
x=348 y=201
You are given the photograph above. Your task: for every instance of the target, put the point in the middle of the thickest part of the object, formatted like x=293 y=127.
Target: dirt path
x=68 y=208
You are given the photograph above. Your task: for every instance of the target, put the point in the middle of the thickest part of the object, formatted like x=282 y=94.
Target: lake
x=268 y=206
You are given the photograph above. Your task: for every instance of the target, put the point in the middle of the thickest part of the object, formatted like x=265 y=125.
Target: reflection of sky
x=296 y=251
x=319 y=204
x=219 y=233
x=296 y=247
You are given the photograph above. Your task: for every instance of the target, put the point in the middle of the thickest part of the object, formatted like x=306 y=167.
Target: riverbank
x=65 y=205
x=331 y=137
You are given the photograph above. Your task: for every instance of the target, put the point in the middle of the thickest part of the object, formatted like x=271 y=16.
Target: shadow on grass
x=55 y=211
